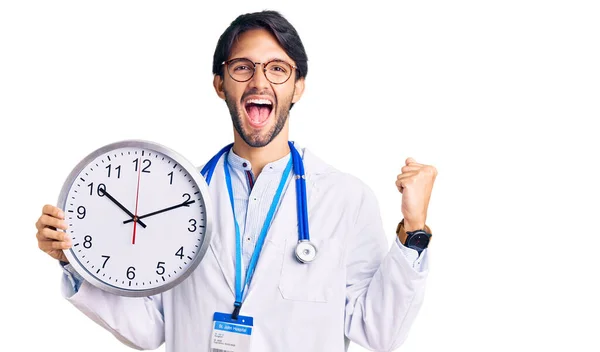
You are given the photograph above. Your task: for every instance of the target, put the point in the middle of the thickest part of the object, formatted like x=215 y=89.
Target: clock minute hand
x=105 y=193
x=184 y=204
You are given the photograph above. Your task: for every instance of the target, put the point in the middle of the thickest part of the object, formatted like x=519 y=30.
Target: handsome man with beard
x=356 y=288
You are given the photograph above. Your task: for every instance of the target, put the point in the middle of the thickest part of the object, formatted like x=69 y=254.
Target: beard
x=258 y=139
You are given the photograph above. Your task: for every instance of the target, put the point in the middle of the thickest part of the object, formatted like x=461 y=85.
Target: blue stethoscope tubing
x=306 y=251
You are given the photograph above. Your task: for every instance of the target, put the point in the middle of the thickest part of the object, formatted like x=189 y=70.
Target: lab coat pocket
x=310 y=282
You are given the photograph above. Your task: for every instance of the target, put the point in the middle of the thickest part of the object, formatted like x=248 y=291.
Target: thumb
x=410 y=161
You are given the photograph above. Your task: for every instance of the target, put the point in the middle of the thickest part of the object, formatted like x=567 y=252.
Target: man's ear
x=218 y=84
x=299 y=89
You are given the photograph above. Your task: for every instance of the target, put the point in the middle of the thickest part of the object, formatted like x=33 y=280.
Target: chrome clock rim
x=198 y=179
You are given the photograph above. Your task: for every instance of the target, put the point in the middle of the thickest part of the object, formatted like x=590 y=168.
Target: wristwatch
x=417 y=240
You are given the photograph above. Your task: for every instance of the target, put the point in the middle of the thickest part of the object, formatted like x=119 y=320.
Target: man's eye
x=278 y=69
x=242 y=68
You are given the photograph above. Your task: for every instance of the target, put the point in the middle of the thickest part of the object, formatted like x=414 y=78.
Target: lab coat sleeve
x=384 y=290
x=417 y=261
x=71 y=280
x=135 y=321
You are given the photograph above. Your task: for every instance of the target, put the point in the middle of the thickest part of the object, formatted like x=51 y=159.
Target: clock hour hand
x=104 y=192
x=184 y=204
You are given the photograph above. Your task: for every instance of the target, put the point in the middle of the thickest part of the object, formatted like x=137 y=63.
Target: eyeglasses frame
x=264 y=65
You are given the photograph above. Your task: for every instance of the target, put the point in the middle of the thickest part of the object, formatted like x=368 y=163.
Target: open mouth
x=258 y=111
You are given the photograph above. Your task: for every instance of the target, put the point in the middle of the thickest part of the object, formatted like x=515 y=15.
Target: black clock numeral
x=81 y=212
x=192 y=227
x=99 y=191
x=160 y=269
x=180 y=253
x=171 y=177
x=87 y=242
x=188 y=197
x=105 y=260
x=131 y=273
x=146 y=162
x=118 y=168
x=147 y=166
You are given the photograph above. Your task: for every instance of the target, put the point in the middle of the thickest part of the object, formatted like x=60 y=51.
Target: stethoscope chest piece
x=306 y=252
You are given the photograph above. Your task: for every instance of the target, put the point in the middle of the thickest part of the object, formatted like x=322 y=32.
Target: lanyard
x=239 y=287
x=303 y=236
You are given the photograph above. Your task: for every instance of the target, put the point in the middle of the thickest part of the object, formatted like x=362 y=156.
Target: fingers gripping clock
x=138 y=216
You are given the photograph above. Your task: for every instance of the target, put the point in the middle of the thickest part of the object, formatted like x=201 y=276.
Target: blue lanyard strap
x=239 y=287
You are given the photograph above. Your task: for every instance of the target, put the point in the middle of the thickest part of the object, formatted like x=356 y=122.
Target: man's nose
x=259 y=80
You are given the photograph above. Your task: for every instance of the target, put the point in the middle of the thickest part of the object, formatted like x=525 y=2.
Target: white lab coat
x=357 y=289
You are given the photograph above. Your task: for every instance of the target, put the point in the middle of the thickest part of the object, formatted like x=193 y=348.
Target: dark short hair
x=271 y=21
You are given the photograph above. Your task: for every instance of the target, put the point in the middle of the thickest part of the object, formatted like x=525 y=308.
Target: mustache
x=256 y=91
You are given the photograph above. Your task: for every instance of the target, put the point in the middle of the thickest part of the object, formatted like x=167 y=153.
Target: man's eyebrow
x=267 y=60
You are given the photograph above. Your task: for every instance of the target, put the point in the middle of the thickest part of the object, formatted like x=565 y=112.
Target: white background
x=502 y=97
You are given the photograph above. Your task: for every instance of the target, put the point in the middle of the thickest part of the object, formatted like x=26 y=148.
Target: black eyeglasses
x=242 y=70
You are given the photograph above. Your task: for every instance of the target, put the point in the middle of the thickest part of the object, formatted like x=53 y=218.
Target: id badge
x=230 y=335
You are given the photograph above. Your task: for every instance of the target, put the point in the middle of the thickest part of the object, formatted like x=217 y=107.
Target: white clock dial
x=137 y=217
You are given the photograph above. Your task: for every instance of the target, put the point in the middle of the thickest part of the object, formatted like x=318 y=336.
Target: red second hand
x=137 y=193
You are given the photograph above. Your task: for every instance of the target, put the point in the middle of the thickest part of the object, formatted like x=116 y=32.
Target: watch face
x=137 y=216
x=419 y=240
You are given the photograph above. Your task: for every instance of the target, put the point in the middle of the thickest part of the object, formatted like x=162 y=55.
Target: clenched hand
x=415 y=183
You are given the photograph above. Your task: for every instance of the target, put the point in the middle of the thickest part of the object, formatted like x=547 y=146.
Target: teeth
x=259 y=101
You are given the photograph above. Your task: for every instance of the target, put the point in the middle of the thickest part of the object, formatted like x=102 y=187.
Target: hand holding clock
x=50 y=240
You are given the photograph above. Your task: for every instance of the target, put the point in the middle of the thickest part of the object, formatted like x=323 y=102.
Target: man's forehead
x=258 y=45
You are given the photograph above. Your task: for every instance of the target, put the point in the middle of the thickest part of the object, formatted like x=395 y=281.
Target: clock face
x=137 y=217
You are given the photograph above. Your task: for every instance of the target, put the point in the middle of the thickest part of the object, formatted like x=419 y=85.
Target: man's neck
x=259 y=157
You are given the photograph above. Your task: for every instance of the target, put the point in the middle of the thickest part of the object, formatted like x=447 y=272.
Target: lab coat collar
x=239 y=163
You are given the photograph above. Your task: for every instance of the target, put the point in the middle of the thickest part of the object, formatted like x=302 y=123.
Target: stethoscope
x=306 y=251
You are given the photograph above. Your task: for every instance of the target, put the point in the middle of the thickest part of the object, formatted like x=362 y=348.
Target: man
x=356 y=290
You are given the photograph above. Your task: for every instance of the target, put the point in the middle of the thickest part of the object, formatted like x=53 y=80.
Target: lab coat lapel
x=223 y=239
